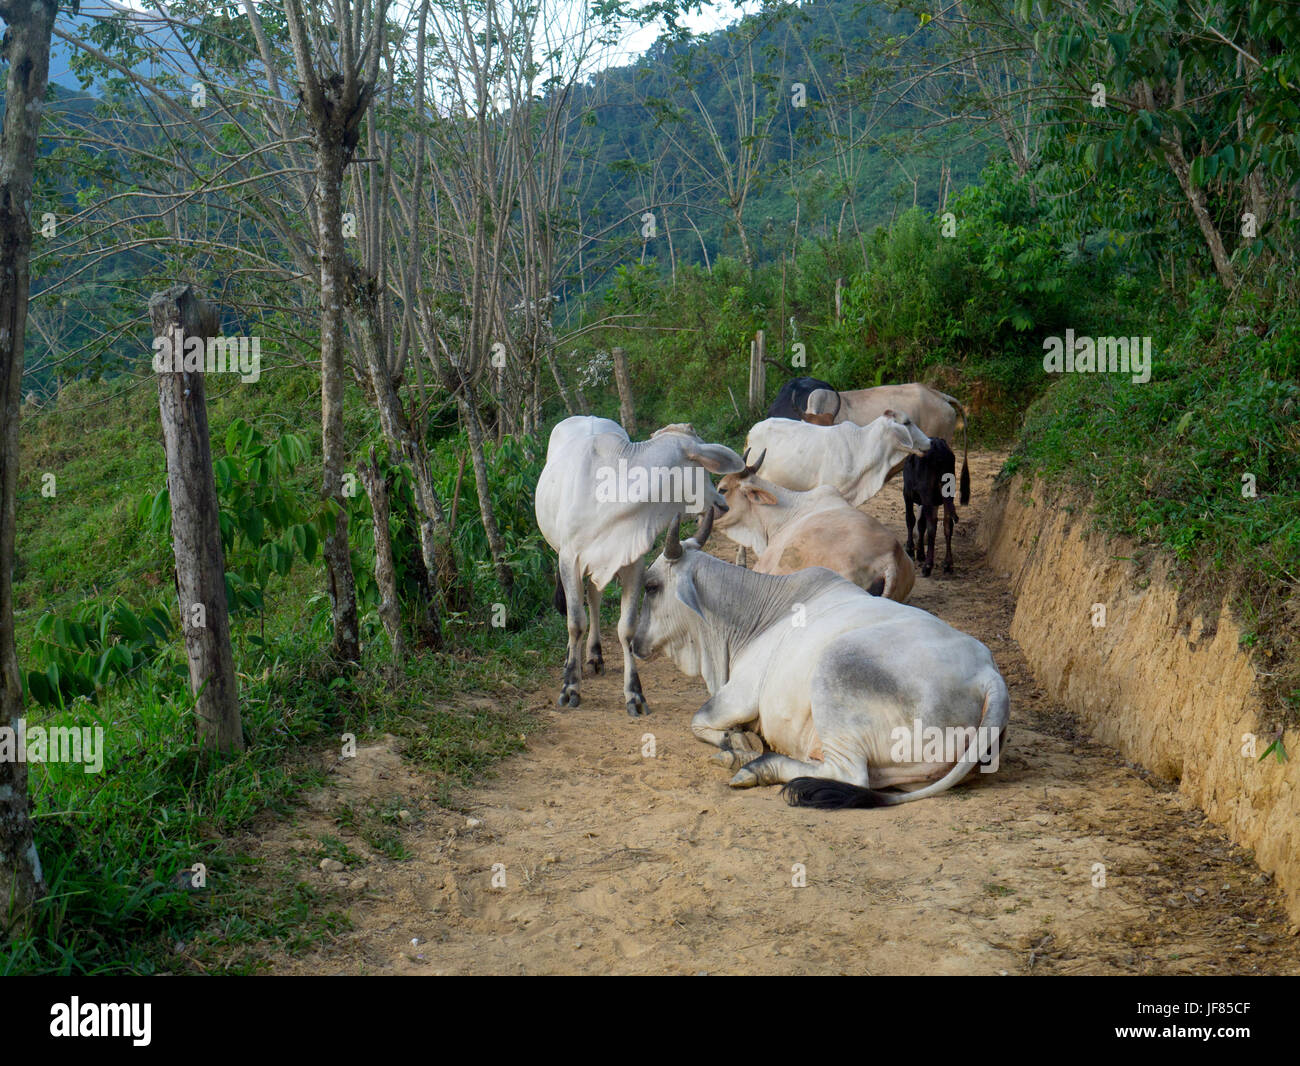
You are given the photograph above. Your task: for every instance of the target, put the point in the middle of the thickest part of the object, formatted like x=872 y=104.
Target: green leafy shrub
x=100 y=643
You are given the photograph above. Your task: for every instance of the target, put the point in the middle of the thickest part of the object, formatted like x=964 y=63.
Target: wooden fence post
x=757 y=373
x=626 y=409
x=180 y=318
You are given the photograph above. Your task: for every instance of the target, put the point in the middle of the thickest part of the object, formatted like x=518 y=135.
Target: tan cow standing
x=792 y=530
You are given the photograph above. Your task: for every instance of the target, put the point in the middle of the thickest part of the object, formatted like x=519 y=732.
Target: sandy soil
x=615 y=862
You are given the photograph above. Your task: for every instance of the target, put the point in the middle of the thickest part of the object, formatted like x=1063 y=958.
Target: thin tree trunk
x=335 y=103
x=1173 y=151
x=390 y=611
x=1172 y=148
x=559 y=382
x=474 y=428
x=346 y=646
x=441 y=576
x=27 y=40
x=455 y=493
x=746 y=251
x=177 y=317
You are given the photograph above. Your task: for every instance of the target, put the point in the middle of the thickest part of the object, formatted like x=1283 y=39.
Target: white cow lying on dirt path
x=836 y=681
x=855 y=460
x=601 y=502
x=793 y=530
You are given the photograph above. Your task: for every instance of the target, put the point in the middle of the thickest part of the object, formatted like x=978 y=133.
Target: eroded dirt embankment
x=1169 y=687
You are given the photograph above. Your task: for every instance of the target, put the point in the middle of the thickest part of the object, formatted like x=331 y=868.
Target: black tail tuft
x=827 y=795
x=965 y=483
x=877 y=587
x=561 y=603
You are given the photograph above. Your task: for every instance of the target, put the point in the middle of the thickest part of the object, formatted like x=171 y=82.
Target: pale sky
x=713 y=16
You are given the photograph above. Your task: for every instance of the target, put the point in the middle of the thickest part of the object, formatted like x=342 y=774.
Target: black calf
x=793 y=398
x=930 y=482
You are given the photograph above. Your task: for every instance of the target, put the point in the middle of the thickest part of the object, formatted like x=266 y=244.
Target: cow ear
x=889 y=412
x=716 y=458
x=686 y=593
x=757 y=495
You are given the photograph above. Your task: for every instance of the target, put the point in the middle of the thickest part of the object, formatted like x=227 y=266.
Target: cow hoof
x=947 y=568
x=734 y=760
x=569 y=698
x=596 y=666
x=637 y=707
x=742 y=740
x=744 y=778
x=925 y=571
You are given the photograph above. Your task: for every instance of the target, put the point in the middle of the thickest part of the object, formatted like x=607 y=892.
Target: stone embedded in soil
x=331 y=866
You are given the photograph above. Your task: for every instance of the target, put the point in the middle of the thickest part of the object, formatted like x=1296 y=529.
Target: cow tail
x=823 y=794
x=827 y=795
x=965 y=452
x=839 y=402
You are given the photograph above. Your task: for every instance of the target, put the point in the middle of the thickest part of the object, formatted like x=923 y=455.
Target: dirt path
x=619 y=863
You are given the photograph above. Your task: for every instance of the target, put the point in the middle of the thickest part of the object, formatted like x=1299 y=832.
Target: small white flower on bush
x=596 y=371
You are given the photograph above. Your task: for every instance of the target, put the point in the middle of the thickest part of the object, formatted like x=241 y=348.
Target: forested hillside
x=785 y=127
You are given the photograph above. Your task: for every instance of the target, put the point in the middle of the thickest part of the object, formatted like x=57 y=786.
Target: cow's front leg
x=721 y=720
x=595 y=660
x=572 y=583
x=739 y=746
x=910 y=518
x=629 y=579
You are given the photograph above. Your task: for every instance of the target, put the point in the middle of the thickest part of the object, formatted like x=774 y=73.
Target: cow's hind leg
x=910 y=518
x=949 y=517
x=629 y=579
x=572 y=580
x=929 y=531
x=595 y=661
x=776 y=769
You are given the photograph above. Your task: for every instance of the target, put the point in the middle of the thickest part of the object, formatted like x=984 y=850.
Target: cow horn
x=673 y=546
x=705 y=527
x=754 y=469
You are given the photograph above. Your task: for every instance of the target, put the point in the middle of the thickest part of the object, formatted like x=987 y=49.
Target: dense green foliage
x=114 y=843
